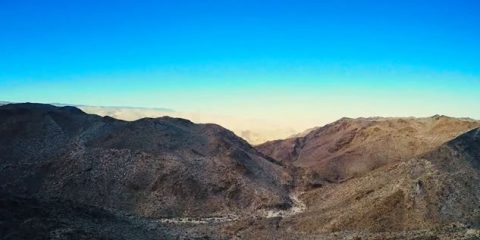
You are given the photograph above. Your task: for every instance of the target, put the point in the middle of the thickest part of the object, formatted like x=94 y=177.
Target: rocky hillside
x=432 y=196
x=353 y=147
x=151 y=167
x=438 y=188
x=65 y=174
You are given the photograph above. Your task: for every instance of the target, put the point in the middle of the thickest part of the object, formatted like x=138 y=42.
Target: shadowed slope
x=152 y=167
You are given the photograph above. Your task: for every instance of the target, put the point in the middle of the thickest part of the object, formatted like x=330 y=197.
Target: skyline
x=271 y=65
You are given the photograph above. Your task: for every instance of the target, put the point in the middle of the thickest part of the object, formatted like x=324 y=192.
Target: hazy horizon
x=255 y=131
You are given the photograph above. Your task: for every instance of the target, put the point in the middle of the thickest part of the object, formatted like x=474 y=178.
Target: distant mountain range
x=66 y=174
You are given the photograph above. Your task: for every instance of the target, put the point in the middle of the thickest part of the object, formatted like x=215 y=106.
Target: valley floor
x=273 y=224
x=25 y=218
x=298 y=206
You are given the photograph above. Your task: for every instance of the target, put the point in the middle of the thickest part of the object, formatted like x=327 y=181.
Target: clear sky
x=304 y=62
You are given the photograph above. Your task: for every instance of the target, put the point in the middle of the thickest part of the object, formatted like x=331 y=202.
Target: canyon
x=66 y=174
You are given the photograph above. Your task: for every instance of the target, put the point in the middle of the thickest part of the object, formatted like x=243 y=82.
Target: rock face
x=151 y=167
x=353 y=147
x=440 y=188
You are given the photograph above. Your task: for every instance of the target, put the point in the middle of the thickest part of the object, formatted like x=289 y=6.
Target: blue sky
x=297 y=60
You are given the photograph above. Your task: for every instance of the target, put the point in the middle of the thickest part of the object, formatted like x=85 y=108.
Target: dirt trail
x=201 y=220
x=297 y=207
